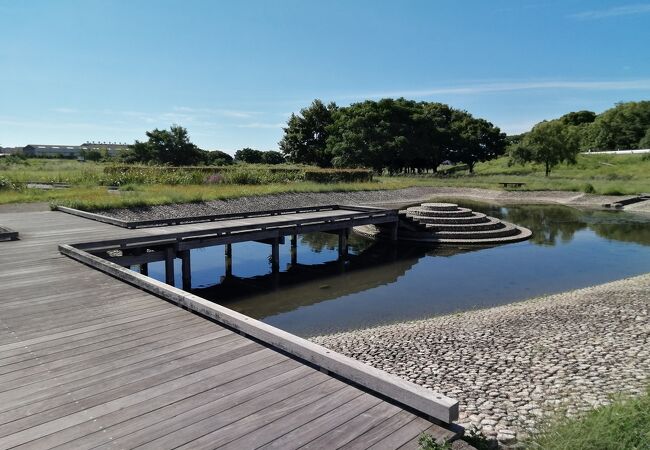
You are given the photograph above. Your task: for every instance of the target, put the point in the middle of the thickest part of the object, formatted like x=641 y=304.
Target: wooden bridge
x=107 y=358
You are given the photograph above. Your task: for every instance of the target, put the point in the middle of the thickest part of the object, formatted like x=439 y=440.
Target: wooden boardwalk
x=88 y=361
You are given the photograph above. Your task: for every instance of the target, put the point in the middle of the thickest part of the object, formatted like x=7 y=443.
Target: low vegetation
x=147 y=185
x=622 y=425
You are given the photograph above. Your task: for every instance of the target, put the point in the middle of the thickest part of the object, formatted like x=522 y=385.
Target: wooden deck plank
x=380 y=431
x=87 y=360
x=270 y=415
x=118 y=367
x=411 y=430
x=87 y=391
x=321 y=425
x=51 y=420
x=109 y=427
x=289 y=422
x=346 y=432
x=219 y=412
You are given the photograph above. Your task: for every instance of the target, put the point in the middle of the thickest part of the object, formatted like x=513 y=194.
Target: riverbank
x=512 y=365
x=389 y=198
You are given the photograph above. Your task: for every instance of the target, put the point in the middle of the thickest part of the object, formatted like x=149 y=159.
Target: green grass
x=602 y=174
x=622 y=425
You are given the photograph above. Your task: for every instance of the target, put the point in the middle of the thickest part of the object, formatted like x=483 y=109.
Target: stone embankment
x=511 y=365
x=388 y=198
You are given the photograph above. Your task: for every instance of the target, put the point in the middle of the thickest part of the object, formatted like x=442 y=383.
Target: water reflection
x=370 y=265
x=382 y=283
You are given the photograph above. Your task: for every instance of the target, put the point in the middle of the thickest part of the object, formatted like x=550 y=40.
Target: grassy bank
x=601 y=174
x=623 y=425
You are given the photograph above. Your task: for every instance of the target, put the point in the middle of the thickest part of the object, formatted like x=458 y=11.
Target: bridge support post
x=186 y=269
x=228 y=253
x=393 y=231
x=343 y=243
x=294 y=249
x=170 y=254
x=275 y=255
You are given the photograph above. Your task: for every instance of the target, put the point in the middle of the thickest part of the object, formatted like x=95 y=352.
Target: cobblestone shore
x=511 y=365
x=389 y=198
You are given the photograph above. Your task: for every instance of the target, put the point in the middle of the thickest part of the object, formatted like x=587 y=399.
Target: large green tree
x=548 y=143
x=375 y=134
x=305 y=136
x=474 y=140
x=171 y=147
x=621 y=127
x=249 y=155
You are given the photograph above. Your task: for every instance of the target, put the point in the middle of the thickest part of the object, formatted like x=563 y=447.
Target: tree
x=621 y=127
x=272 y=157
x=249 y=155
x=217 y=158
x=645 y=141
x=474 y=140
x=171 y=146
x=548 y=143
x=578 y=118
x=305 y=137
x=376 y=134
x=432 y=136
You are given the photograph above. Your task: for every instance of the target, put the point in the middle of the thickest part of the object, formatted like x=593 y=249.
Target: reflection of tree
x=547 y=222
x=637 y=232
x=320 y=241
x=327 y=241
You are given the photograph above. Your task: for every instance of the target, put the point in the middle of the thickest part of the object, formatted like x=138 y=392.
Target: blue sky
x=233 y=71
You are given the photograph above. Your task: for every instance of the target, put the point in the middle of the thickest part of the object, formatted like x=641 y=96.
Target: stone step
x=523 y=234
x=416 y=211
x=506 y=230
x=438 y=206
x=474 y=218
x=490 y=224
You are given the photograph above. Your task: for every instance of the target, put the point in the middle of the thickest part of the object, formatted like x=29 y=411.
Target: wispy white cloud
x=234 y=113
x=484 y=88
x=64 y=110
x=261 y=125
x=625 y=10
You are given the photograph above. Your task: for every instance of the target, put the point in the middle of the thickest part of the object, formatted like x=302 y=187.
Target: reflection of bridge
x=304 y=285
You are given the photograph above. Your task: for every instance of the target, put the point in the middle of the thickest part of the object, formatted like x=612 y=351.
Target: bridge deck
x=89 y=361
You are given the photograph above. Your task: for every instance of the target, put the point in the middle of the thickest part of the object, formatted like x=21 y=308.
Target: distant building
x=10 y=150
x=113 y=148
x=72 y=151
x=52 y=150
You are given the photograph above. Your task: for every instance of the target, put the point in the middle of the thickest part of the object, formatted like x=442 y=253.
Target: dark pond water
x=384 y=283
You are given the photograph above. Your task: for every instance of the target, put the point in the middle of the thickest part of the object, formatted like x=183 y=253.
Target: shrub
x=338 y=175
x=235 y=174
x=7 y=184
x=589 y=189
x=215 y=178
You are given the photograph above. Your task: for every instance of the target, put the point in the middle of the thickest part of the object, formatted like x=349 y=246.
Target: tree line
x=391 y=135
x=625 y=126
x=173 y=147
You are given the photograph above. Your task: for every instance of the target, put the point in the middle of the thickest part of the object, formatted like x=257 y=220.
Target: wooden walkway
x=88 y=361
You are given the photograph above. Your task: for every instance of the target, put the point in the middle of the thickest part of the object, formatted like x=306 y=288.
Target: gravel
x=512 y=365
x=394 y=198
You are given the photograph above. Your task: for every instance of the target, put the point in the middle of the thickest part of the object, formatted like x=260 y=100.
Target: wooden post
x=228 y=260
x=169 y=265
x=394 y=231
x=186 y=269
x=294 y=250
x=343 y=243
x=275 y=255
